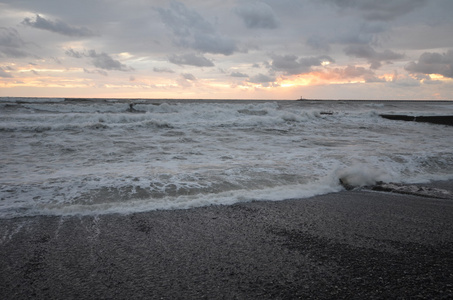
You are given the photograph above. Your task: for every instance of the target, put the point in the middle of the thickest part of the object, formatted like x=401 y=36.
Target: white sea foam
x=98 y=156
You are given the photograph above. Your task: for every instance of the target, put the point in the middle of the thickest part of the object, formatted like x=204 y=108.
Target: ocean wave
x=100 y=156
x=69 y=117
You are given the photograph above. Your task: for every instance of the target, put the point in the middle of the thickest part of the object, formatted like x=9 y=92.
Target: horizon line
x=225 y=99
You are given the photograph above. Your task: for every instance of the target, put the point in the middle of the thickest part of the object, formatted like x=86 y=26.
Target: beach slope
x=355 y=244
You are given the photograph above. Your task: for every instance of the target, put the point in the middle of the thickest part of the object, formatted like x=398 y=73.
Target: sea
x=62 y=156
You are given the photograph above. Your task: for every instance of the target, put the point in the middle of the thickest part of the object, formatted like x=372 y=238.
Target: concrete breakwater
x=443 y=120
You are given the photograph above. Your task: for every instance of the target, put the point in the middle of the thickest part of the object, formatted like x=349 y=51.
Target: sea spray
x=360 y=175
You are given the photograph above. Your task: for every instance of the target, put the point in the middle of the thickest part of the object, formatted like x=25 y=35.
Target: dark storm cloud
x=374 y=58
x=191 y=30
x=11 y=44
x=291 y=64
x=57 y=26
x=382 y=10
x=433 y=63
x=100 y=60
x=257 y=15
x=191 y=60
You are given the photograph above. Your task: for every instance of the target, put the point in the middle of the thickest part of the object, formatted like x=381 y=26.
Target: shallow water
x=83 y=156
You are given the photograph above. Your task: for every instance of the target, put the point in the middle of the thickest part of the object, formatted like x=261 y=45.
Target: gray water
x=85 y=156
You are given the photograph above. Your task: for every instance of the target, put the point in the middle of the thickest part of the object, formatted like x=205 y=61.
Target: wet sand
x=353 y=244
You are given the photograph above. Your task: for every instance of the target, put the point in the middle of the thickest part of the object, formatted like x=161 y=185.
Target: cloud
x=372 y=78
x=104 y=61
x=382 y=10
x=406 y=82
x=163 y=70
x=354 y=33
x=72 y=53
x=291 y=64
x=191 y=60
x=191 y=30
x=186 y=80
x=374 y=58
x=101 y=72
x=4 y=74
x=184 y=21
x=318 y=43
x=261 y=78
x=288 y=38
x=257 y=15
x=188 y=76
x=11 y=43
x=100 y=60
x=213 y=43
x=58 y=27
x=353 y=71
x=349 y=73
x=433 y=63
x=428 y=80
x=238 y=74
x=364 y=34
x=55 y=59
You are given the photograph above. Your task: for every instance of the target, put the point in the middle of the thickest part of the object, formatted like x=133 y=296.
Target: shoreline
x=351 y=244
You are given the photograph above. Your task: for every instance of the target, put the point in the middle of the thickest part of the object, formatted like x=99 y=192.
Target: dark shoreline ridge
x=443 y=120
x=356 y=244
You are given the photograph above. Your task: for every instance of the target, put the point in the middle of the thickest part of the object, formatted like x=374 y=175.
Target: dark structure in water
x=444 y=120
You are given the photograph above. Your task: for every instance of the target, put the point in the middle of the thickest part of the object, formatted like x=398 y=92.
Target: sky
x=228 y=49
